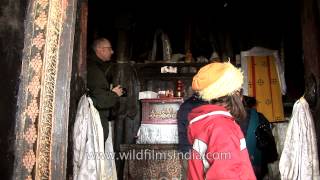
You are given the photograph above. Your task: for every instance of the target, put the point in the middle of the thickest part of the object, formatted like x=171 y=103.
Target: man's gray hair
x=97 y=42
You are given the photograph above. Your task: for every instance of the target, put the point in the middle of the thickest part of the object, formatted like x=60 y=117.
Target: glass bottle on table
x=179 y=91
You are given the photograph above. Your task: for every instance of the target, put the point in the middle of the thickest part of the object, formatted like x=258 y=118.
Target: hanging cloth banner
x=264 y=80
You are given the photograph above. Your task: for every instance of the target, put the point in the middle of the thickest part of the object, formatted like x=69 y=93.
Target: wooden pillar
x=82 y=65
x=78 y=76
x=311 y=48
x=43 y=98
x=123 y=25
x=311 y=37
x=122 y=47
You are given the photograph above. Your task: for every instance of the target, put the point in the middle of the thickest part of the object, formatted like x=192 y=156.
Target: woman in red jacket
x=219 y=148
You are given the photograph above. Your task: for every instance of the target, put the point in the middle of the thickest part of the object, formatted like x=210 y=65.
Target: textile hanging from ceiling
x=91 y=160
x=299 y=159
x=264 y=80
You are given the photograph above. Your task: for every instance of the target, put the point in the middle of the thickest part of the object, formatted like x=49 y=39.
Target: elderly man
x=99 y=79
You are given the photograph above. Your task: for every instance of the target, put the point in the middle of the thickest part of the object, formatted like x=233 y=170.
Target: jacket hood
x=200 y=120
x=204 y=109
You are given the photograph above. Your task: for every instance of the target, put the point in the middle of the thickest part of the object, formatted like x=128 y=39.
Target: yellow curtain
x=263 y=84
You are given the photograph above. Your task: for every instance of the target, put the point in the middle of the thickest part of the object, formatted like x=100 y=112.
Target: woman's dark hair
x=249 y=102
x=233 y=104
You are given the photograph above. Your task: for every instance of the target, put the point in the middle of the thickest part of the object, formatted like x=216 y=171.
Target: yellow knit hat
x=216 y=80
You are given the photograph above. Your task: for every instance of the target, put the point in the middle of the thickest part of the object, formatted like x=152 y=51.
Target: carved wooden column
x=43 y=98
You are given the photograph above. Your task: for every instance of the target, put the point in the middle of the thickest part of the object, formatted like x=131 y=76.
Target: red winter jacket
x=219 y=140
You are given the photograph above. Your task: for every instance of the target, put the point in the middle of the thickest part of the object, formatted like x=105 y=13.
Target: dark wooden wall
x=310 y=23
x=12 y=15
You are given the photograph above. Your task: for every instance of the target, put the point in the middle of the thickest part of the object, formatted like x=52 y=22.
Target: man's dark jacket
x=99 y=80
